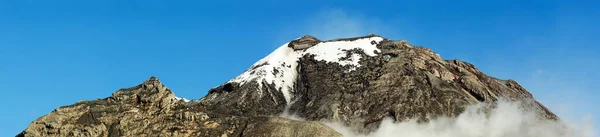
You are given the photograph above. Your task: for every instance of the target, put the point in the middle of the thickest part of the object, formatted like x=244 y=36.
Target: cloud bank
x=507 y=119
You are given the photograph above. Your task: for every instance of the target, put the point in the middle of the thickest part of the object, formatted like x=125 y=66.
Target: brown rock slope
x=151 y=109
x=404 y=82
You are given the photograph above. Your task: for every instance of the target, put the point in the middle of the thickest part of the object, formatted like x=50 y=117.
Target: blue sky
x=55 y=53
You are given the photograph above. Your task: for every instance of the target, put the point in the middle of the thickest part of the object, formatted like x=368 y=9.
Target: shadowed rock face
x=399 y=81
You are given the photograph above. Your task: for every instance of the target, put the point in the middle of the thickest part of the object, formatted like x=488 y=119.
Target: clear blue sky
x=55 y=53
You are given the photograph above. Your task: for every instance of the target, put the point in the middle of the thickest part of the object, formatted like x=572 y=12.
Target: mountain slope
x=356 y=81
x=362 y=79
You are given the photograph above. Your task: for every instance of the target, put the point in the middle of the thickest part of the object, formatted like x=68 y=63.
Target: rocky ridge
x=151 y=109
x=356 y=81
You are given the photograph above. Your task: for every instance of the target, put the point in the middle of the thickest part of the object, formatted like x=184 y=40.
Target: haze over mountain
x=359 y=86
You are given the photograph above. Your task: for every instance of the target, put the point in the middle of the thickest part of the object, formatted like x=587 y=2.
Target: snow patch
x=333 y=51
x=184 y=99
x=279 y=67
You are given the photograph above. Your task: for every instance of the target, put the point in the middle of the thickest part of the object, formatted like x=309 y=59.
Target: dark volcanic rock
x=403 y=82
x=357 y=81
x=244 y=101
x=304 y=42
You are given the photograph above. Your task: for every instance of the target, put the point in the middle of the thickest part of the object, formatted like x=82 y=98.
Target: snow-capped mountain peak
x=280 y=67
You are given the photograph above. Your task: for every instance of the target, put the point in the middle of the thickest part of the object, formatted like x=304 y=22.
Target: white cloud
x=331 y=24
x=505 y=120
x=336 y=24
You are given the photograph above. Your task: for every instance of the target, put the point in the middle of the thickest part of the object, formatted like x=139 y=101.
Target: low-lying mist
x=506 y=119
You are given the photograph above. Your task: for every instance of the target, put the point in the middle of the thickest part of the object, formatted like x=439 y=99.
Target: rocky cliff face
x=356 y=81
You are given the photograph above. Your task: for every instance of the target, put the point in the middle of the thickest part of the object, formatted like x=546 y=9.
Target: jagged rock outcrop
x=151 y=109
x=357 y=81
x=304 y=42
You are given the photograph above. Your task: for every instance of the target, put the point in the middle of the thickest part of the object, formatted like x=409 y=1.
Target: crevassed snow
x=279 y=67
